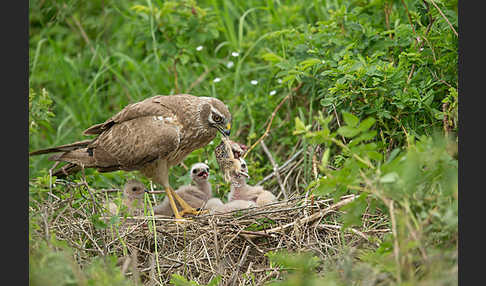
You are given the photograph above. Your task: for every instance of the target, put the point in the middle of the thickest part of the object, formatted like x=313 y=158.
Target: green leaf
x=429 y=98
x=290 y=77
x=311 y=185
x=392 y=155
x=347 y=131
x=179 y=280
x=354 y=211
x=326 y=186
x=389 y=178
x=325 y=159
x=363 y=137
x=271 y=57
x=300 y=127
x=328 y=101
x=374 y=155
x=97 y=222
x=350 y=119
x=214 y=281
x=308 y=63
x=366 y=124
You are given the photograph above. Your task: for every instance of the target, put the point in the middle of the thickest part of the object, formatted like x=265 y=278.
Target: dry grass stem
x=275 y=169
x=267 y=130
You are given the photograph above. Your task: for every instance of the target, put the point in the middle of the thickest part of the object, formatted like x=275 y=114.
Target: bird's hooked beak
x=225 y=131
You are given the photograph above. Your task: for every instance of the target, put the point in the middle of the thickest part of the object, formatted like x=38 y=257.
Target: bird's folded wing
x=152 y=106
x=134 y=142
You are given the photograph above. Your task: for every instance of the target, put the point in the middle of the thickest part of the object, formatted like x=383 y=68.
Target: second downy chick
x=133 y=196
x=195 y=195
x=240 y=190
x=215 y=205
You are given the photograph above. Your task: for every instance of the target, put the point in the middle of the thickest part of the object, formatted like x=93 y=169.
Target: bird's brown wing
x=148 y=107
x=130 y=144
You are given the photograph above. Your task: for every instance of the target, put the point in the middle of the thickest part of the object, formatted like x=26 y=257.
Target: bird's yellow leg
x=186 y=208
x=173 y=206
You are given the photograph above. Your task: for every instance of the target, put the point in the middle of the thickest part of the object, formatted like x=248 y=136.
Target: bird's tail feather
x=78 y=157
x=63 y=148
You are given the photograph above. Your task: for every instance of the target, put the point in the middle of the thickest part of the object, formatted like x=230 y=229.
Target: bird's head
x=218 y=116
x=244 y=166
x=134 y=189
x=244 y=169
x=240 y=175
x=200 y=172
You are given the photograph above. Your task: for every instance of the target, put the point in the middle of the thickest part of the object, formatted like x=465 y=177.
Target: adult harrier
x=150 y=136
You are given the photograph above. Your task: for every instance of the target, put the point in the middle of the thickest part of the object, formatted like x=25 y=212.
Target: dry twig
x=275 y=168
x=267 y=130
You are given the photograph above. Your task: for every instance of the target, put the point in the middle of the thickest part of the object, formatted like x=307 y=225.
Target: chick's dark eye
x=194 y=171
x=217 y=118
x=134 y=189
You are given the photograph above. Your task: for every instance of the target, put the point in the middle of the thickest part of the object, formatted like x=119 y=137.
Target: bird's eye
x=194 y=171
x=217 y=118
x=134 y=189
x=207 y=170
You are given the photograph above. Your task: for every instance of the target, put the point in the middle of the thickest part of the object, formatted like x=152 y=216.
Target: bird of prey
x=150 y=136
x=240 y=190
x=227 y=155
x=195 y=195
x=216 y=206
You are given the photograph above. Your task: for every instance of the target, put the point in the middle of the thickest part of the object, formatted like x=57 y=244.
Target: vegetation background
x=368 y=87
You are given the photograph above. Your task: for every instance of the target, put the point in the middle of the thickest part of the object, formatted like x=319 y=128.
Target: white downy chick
x=216 y=206
x=195 y=195
x=240 y=190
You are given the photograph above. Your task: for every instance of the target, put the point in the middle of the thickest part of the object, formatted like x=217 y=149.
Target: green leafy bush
x=53 y=263
x=417 y=187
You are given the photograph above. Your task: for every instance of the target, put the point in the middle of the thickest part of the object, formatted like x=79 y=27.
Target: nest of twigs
x=231 y=245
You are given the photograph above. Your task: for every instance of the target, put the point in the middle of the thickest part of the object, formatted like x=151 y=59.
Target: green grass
x=89 y=59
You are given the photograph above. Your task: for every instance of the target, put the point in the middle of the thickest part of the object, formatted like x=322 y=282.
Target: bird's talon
x=193 y=212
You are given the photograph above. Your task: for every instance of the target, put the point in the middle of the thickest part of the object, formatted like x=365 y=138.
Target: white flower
x=235 y=54
x=273 y=92
x=230 y=64
x=323 y=61
x=279 y=80
x=217 y=79
x=199 y=48
x=254 y=82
